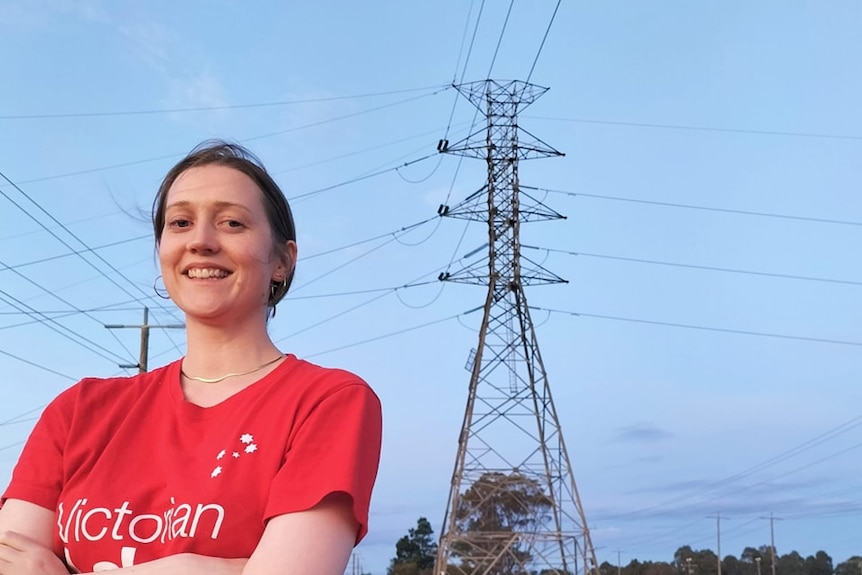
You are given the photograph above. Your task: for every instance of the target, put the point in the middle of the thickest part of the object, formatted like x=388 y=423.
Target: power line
x=701 y=128
x=16 y=422
x=697 y=207
x=365 y=291
x=82 y=242
x=358 y=178
x=698 y=267
x=74 y=253
x=711 y=487
x=702 y=327
x=500 y=39
x=357 y=152
x=211 y=108
x=42 y=367
x=466 y=60
x=20 y=235
x=392 y=334
x=57 y=315
x=472 y=41
x=344 y=117
x=65 y=312
x=11 y=445
x=782 y=475
x=395 y=233
x=343 y=265
x=544 y=38
x=20 y=415
x=342 y=313
x=249 y=139
x=60 y=328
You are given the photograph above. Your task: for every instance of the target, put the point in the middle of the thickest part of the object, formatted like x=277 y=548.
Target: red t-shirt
x=135 y=472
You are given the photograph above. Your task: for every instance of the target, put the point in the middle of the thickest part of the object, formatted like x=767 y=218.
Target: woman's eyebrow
x=220 y=205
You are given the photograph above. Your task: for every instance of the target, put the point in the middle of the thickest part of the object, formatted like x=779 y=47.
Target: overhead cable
x=544 y=38
x=500 y=39
x=34 y=364
x=703 y=327
x=703 y=208
x=243 y=140
x=211 y=108
x=701 y=128
x=698 y=267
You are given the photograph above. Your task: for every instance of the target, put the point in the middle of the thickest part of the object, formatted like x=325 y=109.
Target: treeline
x=415 y=554
x=752 y=561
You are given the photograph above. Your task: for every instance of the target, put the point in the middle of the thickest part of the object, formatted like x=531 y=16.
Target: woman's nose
x=204 y=239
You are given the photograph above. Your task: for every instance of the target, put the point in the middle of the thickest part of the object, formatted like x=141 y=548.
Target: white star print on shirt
x=246 y=438
x=235 y=454
x=251 y=448
x=216 y=471
x=221 y=454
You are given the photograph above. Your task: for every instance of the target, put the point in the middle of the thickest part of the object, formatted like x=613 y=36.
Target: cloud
x=31 y=14
x=641 y=433
x=183 y=69
x=199 y=91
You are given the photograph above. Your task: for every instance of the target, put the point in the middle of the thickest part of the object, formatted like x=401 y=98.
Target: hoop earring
x=274 y=288
x=164 y=294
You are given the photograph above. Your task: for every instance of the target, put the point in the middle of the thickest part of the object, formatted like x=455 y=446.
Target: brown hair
x=221 y=153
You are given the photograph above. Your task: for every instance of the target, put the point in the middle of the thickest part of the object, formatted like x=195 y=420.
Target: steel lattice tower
x=513 y=507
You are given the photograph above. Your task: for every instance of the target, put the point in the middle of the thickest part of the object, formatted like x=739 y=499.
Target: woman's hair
x=221 y=153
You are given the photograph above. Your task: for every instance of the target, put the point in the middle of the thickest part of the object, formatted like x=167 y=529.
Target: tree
x=818 y=564
x=791 y=564
x=852 y=566
x=702 y=562
x=415 y=552
x=730 y=565
x=491 y=515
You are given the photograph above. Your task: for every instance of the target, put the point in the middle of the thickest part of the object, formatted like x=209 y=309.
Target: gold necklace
x=222 y=378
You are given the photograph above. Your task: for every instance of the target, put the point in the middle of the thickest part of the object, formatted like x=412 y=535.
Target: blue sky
x=662 y=109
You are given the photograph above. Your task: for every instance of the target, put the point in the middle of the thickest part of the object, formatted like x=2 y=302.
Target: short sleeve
x=38 y=475
x=336 y=449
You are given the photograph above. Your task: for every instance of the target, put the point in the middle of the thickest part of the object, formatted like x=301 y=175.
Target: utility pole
x=145 y=339
x=757 y=560
x=718 y=519
x=772 y=538
x=511 y=448
x=619 y=563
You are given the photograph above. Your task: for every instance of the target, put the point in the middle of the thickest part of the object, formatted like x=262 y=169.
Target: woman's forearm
x=186 y=564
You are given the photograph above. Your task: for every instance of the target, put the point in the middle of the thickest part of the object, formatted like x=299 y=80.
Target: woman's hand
x=21 y=555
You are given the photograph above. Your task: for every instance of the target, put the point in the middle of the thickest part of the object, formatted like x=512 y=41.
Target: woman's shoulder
x=116 y=389
x=321 y=381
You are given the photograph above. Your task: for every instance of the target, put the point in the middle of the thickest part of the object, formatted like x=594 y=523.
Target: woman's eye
x=235 y=224
x=179 y=223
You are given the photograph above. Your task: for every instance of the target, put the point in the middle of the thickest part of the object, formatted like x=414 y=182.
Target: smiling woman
x=264 y=463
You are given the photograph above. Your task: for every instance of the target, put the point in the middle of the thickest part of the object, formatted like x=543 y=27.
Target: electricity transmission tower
x=513 y=506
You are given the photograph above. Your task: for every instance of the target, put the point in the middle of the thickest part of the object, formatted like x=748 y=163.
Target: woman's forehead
x=217 y=186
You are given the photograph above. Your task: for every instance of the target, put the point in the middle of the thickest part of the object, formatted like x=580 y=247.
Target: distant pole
x=757 y=560
x=619 y=564
x=145 y=339
x=772 y=539
x=718 y=536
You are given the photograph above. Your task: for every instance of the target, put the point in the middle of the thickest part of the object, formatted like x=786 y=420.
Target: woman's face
x=216 y=251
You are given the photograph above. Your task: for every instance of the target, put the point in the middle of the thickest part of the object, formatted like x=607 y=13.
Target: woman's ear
x=286 y=261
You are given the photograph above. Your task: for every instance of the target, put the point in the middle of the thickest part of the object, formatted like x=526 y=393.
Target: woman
x=236 y=458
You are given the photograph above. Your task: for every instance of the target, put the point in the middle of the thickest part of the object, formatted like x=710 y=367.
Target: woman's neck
x=213 y=350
